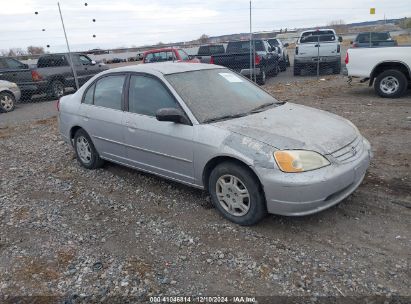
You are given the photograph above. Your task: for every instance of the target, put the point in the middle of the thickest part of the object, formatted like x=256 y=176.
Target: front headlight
x=12 y=85
x=292 y=161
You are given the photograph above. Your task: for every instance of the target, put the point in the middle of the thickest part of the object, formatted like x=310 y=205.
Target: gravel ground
x=81 y=235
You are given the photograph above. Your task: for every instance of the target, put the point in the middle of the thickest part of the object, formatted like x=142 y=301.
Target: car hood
x=293 y=126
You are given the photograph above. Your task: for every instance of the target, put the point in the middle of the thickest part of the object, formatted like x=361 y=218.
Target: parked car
x=321 y=45
x=9 y=95
x=117 y=60
x=210 y=128
x=387 y=68
x=168 y=54
x=206 y=51
x=237 y=57
x=282 y=52
x=51 y=75
x=373 y=39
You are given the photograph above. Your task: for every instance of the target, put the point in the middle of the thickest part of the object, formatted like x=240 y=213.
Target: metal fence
x=45 y=74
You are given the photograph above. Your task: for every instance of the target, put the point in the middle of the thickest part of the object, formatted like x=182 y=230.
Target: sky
x=125 y=23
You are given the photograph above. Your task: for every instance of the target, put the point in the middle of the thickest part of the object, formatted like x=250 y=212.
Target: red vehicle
x=168 y=54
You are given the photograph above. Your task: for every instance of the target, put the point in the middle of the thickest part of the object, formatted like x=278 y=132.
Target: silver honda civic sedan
x=210 y=128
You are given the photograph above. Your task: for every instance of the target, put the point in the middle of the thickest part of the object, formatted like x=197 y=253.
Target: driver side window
x=147 y=95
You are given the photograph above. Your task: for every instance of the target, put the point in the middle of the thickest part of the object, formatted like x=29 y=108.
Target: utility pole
x=251 y=52
x=68 y=48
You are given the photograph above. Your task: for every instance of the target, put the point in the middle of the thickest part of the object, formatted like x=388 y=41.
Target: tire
x=337 y=68
x=390 y=84
x=7 y=102
x=243 y=181
x=26 y=96
x=56 y=89
x=297 y=69
x=87 y=156
x=262 y=78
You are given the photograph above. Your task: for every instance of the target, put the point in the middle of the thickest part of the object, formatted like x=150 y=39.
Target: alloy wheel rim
x=84 y=149
x=6 y=102
x=389 y=85
x=233 y=195
x=58 y=89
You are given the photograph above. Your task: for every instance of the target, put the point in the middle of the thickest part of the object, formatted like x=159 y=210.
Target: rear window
x=324 y=36
x=52 y=61
x=244 y=46
x=159 y=57
x=365 y=37
x=208 y=50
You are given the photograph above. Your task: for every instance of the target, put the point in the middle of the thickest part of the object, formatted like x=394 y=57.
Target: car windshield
x=273 y=42
x=325 y=36
x=183 y=55
x=218 y=94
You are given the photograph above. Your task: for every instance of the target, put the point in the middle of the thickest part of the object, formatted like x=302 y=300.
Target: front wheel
x=86 y=153
x=7 y=102
x=262 y=77
x=237 y=194
x=390 y=84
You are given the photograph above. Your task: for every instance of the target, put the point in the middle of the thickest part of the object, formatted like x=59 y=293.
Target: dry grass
x=403 y=39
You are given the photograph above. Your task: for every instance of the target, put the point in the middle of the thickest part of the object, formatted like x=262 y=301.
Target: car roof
x=166 y=67
x=320 y=29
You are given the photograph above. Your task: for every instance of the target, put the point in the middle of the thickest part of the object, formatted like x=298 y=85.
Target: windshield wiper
x=224 y=117
x=264 y=106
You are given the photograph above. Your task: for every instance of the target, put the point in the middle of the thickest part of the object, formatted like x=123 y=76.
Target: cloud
x=127 y=22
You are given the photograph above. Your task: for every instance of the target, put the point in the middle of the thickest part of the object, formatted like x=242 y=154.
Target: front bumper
x=298 y=194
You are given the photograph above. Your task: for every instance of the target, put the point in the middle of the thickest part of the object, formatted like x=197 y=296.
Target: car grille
x=349 y=152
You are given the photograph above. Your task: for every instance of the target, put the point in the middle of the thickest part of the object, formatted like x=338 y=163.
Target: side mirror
x=340 y=39
x=93 y=62
x=172 y=115
x=286 y=44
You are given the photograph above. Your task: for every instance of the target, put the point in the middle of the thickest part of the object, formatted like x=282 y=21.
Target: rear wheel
x=237 y=194
x=297 y=69
x=337 y=68
x=7 y=102
x=56 y=89
x=86 y=153
x=390 y=84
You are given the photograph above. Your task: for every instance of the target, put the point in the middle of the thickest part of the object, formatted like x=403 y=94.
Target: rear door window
x=216 y=49
x=109 y=92
x=89 y=95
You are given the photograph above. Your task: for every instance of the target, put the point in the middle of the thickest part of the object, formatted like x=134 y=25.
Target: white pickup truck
x=387 y=68
x=323 y=46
